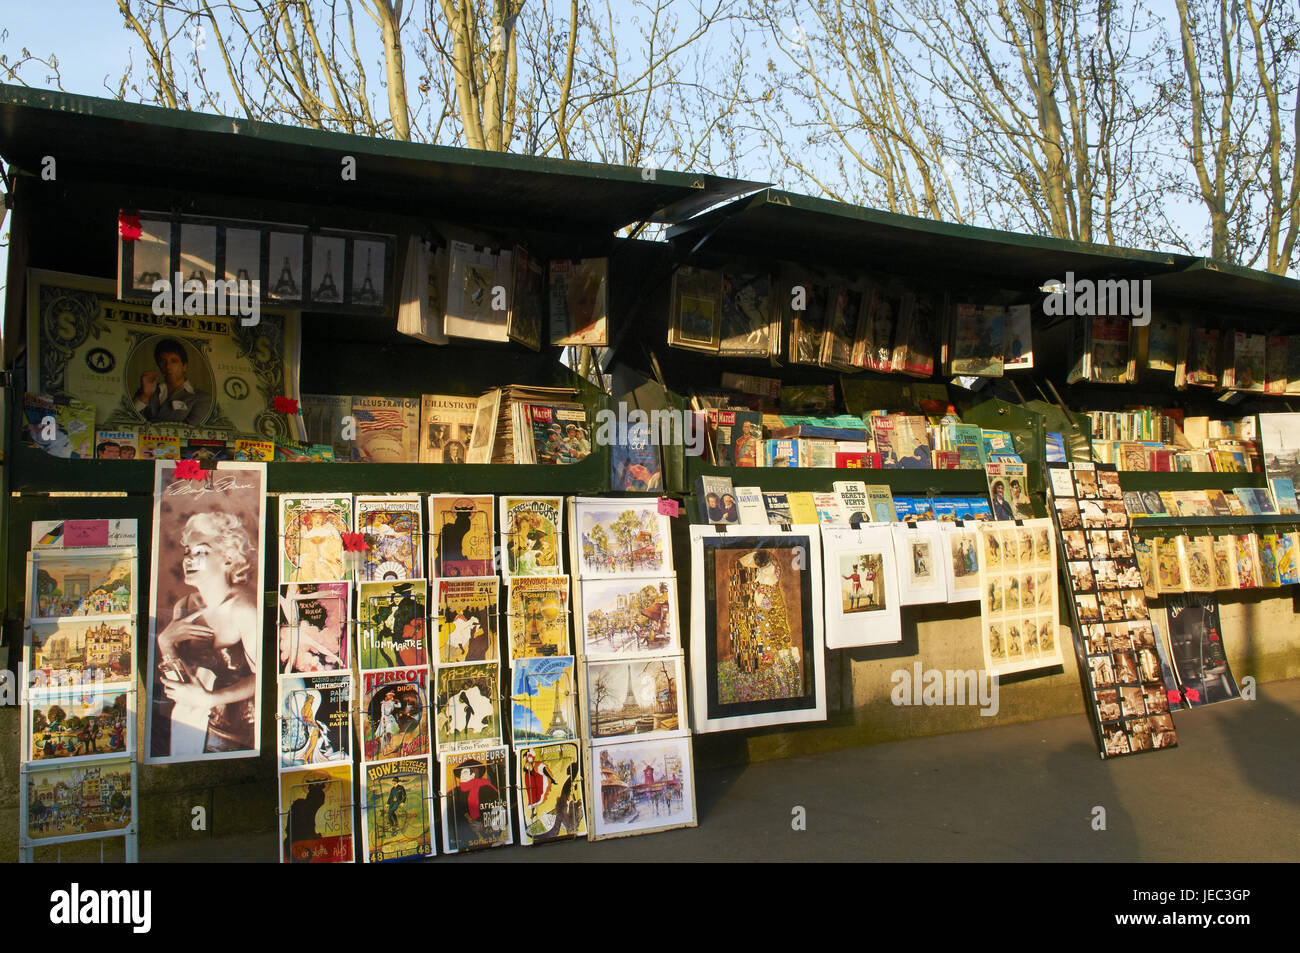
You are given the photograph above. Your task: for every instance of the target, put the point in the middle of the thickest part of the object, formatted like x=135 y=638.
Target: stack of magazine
x=524 y=424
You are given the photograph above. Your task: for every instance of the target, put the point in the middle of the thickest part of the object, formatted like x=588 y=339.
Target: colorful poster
x=531 y=530
x=393 y=534
x=74 y=652
x=396 y=809
x=394 y=713
x=69 y=802
x=640 y=787
x=475 y=799
x=756 y=629
x=461 y=536
x=315 y=719
x=539 y=616
x=635 y=697
x=67 y=583
x=86 y=723
x=628 y=617
x=467 y=619
x=311 y=538
x=313 y=627
x=391 y=623
x=138 y=367
x=861 y=585
x=622 y=537
x=543 y=700
x=1196 y=641
x=550 y=793
x=205 y=626
x=1018 y=596
x=466 y=711
x=316 y=815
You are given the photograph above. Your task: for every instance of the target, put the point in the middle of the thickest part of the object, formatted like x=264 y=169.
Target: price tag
x=668 y=507
x=78 y=533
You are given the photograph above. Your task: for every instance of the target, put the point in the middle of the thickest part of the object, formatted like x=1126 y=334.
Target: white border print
x=724 y=697
x=961 y=545
x=621 y=537
x=656 y=794
x=655 y=636
x=918 y=583
x=205 y=599
x=873 y=616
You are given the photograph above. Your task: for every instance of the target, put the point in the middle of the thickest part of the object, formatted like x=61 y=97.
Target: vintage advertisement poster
x=756 y=629
x=543 y=700
x=862 y=598
x=622 y=537
x=635 y=697
x=1196 y=641
x=466 y=619
x=538 y=616
x=394 y=537
x=391 y=622
x=397 y=809
x=69 y=583
x=313 y=631
x=76 y=652
x=311 y=538
x=531 y=529
x=466 y=710
x=629 y=617
x=315 y=713
x=137 y=367
x=86 y=723
x=394 y=713
x=1018 y=596
x=461 y=538
x=68 y=802
x=550 y=793
x=316 y=815
x=387 y=429
x=446 y=427
x=475 y=799
x=639 y=787
x=205 y=625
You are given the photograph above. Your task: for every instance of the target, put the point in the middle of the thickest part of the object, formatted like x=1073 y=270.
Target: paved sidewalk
x=1229 y=792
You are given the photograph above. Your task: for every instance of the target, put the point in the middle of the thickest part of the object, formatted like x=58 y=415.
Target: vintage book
x=778 y=508
x=853 y=501
x=781 y=453
x=422 y=302
x=902 y=440
x=387 y=429
x=159 y=447
x=526 y=304
x=1202 y=361
x=716 y=497
x=556 y=434
x=117 y=445
x=737 y=435
x=475 y=309
x=695 y=318
x=829 y=510
x=1109 y=350
x=915 y=335
x=1218 y=502
x=634 y=463
x=807 y=323
x=977 y=341
x=874 y=348
x=802 y=509
x=1009 y=491
x=1244 y=370
x=842 y=329
x=324 y=417
x=1284 y=494
x=749 y=325
x=263 y=450
x=484 y=429
x=446 y=427
x=749 y=502
x=880 y=502
x=857 y=459
x=816 y=453
x=1162 y=343
x=579 y=302
x=1018 y=346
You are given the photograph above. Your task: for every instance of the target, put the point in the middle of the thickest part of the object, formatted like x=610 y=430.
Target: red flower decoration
x=128 y=226
x=188 y=470
x=286 y=405
x=354 y=542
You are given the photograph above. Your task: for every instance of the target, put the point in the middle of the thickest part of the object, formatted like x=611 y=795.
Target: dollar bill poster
x=391 y=623
x=394 y=713
x=466 y=709
x=475 y=799
x=311 y=538
x=313 y=630
x=396 y=810
x=550 y=794
x=639 y=787
x=137 y=367
x=393 y=535
x=538 y=616
x=80 y=652
x=461 y=535
x=543 y=700
x=205 y=625
x=467 y=619
x=531 y=529
x=629 y=617
x=79 y=801
x=89 y=722
x=756 y=629
x=635 y=697
x=622 y=537
x=315 y=719
x=316 y=815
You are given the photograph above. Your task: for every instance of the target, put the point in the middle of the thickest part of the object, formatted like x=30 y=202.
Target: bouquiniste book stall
x=463 y=597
